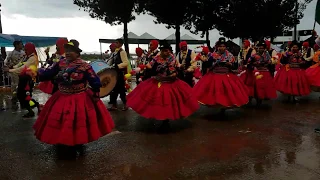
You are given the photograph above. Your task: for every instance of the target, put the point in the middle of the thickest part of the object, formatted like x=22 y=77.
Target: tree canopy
x=113 y=12
x=205 y=16
x=172 y=14
x=256 y=19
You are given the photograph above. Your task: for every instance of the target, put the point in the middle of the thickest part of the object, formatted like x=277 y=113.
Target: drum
x=107 y=75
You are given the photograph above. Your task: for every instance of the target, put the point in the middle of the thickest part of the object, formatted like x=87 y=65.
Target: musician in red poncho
x=153 y=52
x=273 y=54
x=261 y=85
x=27 y=79
x=51 y=86
x=220 y=86
x=163 y=97
x=205 y=57
x=245 y=53
x=74 y=115
x=187 y=65
x=307 y=53
x=141 y=64
x=292 y=80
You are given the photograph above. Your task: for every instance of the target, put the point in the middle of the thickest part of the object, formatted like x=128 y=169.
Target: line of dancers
x=75 y=115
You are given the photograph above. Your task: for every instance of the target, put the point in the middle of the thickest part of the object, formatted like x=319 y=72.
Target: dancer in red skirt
x=261 y=85
x=221 y=87
x=313 y=73
x=292 y=80
x=74 y=115
x=163 y=97
x=51 y=86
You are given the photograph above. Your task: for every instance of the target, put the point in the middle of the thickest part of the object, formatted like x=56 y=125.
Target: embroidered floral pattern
x=260 y=60
x=294 y=57
x=141 y=60
x=226 y=57
x=72 y=75
x=164 y=67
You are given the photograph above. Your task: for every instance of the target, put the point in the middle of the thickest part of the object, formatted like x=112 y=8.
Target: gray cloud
x=42 y=8
x=66 y=8
x=309 y=14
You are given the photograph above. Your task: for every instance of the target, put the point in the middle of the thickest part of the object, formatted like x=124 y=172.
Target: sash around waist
x=221 y=70
x=73 y=89
x=165 y=79
x=295 y=66
x=262 y=69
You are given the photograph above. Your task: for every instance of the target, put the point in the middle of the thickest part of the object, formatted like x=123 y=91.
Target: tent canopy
x=145 y=38
x=6 y=40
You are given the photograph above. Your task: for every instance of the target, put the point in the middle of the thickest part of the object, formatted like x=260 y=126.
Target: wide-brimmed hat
x=221 y=41
x=73 y=45
x=261 y=43
x=165 y=45
x=295 y=42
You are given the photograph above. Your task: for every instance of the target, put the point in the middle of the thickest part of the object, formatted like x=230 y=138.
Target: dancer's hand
x=95 y=99
x=96 y=96
x=5 y=69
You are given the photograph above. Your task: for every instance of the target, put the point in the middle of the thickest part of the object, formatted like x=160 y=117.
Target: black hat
x=165 y=45
x=221 y=41
x=293 y=43
x=262 y=43
x=16 y=42
x=73 y=45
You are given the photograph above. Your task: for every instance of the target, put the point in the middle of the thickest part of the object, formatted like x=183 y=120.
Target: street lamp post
x=0 y=20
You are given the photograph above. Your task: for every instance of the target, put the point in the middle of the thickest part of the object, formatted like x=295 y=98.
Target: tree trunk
x=125 y=37
x=177 y=38
x=207 y=38
x=271 y=39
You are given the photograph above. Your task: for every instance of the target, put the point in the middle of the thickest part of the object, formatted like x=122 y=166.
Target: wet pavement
x=272 y=143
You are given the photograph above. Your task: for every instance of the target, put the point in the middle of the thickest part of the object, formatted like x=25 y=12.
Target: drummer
x=112 y=53
x=120 y=62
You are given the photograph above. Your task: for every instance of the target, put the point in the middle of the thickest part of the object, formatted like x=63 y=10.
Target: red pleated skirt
x=313 y=74
x=264 y=87
x=292 y=82
x=46 y=87
x=163 y=101
x=72 y=119
x=248 y=79
x=226 y=90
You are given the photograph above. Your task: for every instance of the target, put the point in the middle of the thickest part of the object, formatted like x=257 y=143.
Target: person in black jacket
x=120 y=62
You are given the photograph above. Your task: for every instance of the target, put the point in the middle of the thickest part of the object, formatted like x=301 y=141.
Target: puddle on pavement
x=274 y=151
x=5 y=99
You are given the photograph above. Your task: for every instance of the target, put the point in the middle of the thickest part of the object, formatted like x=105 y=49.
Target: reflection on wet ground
x=267 y=144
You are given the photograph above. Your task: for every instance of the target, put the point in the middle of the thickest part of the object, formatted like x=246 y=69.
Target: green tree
x=113 y=12
x=257 y=19
x=172 y=14
x=205 y=16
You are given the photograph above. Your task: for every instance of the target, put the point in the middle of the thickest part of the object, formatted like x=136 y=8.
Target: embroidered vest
x=187 y=60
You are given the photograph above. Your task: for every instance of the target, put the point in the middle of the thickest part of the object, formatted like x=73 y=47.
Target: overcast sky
x=61 y=18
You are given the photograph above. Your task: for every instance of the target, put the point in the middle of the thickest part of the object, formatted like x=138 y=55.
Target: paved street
x=275 y=143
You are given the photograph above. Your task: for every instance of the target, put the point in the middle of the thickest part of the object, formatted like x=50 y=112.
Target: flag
x=317 y=16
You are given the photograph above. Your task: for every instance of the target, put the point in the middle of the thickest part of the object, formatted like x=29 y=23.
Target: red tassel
x=28 y=98
x=27 y=88
x=24 y=70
